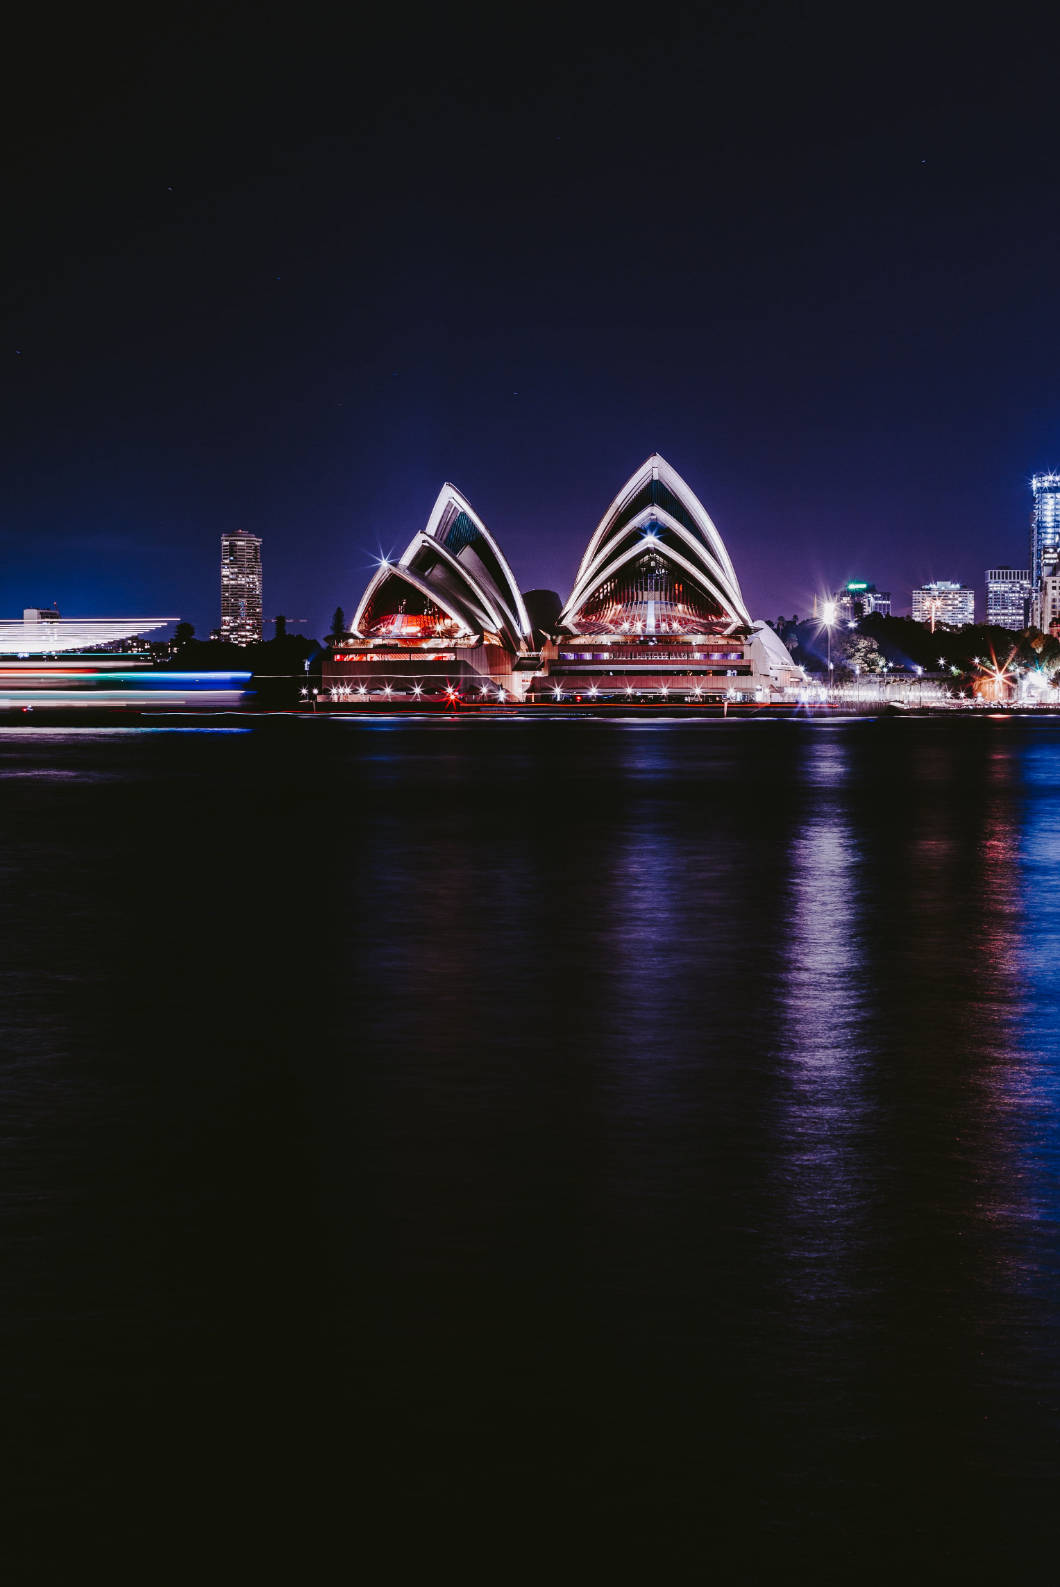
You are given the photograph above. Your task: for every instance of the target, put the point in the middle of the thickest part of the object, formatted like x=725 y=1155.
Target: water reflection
x=661 y=1124
x=909 y=1093
x=936 y=823
x=826 y=1055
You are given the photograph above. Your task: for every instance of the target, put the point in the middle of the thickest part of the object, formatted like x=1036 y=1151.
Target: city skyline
x=196 y=607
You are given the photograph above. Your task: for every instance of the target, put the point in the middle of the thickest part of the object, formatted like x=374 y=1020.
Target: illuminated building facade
x=241 y=609
x=656 y=608
x=858 y=599
x=1047 y=600
x=1045 y=524
x=1045 y=543
x=942 y=601
x=448 y=613
x=1008 y=597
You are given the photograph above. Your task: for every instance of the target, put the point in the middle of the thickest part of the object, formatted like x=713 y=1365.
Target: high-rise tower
x=1008 y=597
x=241 y=587
x=943 y=601
x=1045 y=536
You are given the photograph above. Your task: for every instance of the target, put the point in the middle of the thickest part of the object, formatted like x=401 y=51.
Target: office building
x=241 y=588
x=1045 y=525
x=942 y=601
x=857 y=599
x=1008 y=597
x=1046 y=602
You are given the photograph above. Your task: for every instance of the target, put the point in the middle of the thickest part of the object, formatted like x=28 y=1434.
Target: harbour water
x=464 y=1138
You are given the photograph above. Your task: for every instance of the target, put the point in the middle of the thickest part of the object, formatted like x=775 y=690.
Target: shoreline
x=65 y=716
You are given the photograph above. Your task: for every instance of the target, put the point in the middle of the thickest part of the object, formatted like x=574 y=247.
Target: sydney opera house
x=656 y=611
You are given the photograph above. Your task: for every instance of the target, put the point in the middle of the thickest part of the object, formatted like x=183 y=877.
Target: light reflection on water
x=827 y=1016
x=669 y=1110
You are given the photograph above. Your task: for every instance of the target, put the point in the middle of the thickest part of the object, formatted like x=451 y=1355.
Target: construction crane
x=281 y=620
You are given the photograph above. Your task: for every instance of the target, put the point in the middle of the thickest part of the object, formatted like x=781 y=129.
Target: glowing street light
x=998 y=676
x=829 y=612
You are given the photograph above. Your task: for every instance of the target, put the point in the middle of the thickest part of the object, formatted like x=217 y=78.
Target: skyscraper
x=241 y=587
x=942 y=601
x=1008 y=597
x=1047 y=602
x=1045 y=537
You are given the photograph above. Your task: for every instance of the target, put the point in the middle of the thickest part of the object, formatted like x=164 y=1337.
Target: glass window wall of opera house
x=656 y=611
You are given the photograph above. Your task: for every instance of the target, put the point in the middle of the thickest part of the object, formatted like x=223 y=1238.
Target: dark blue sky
x=286 y=273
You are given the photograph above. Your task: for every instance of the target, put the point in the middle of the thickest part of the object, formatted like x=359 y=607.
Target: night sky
x=288 y=272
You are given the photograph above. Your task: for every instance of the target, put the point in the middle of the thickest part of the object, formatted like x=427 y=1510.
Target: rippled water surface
x=470 y=1139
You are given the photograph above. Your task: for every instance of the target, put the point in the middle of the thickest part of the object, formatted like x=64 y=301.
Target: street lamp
x=829 y=611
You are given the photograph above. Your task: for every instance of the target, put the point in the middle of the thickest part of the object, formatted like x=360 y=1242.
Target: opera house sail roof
x=656 y=564
x=452 y=584
x=656 y=605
